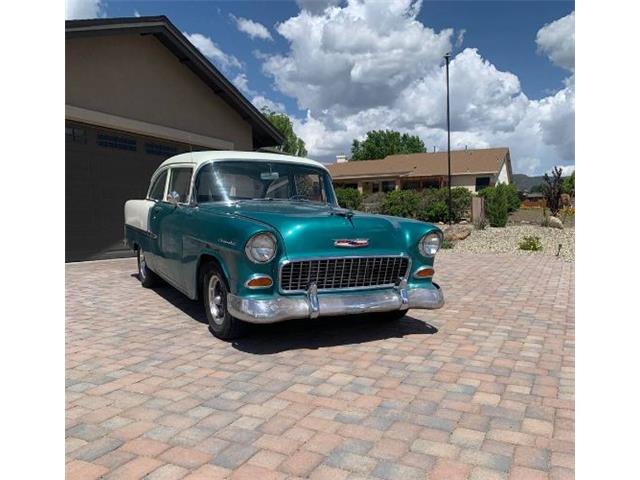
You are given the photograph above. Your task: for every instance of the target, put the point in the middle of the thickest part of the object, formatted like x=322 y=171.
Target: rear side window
x=180 y=182
x=157 y=190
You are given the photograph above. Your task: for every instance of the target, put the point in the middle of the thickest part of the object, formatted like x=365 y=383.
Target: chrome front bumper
x=314 y=305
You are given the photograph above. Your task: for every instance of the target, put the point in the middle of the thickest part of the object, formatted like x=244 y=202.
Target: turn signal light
x=260 y=282
x=424 y=273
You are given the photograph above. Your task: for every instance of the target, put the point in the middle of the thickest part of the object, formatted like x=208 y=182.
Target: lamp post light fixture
x=447 y=57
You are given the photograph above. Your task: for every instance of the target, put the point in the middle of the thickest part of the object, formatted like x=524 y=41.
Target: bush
x=496 y=205
x=433 y=200
x=401 y=203
x=510 y=192
x=530 y=243
x=349 y=198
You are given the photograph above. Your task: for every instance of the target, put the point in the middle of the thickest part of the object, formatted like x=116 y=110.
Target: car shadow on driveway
x=326 y=332
x=304 y=333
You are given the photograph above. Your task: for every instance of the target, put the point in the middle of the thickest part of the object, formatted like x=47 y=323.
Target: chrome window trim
x=346 y=289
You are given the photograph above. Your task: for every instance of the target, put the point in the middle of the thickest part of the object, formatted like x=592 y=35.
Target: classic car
x=260 y=238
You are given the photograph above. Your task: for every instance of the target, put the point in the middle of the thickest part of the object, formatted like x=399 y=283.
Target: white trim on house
x=116 y=122
x=503 y=175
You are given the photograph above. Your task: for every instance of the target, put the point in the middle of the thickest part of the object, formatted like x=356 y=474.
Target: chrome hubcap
x=216 y=305
x=142 y=265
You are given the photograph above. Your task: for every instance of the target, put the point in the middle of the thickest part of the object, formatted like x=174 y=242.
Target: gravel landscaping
x=506 y=240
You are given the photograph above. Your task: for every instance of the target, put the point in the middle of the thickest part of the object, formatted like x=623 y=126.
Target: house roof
x=463 y=162
x=264 y=133
x=200 y=157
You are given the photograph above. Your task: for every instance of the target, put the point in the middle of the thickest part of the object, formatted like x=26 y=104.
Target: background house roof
x=463 y=162
x=264 y=133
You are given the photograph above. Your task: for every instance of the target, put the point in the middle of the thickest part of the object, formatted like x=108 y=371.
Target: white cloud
x=242 y=82
x=317 y=6
x=261 y=102
x=373 y=65
x=212 y=51
x=251 y=28
x=81 y=9
x=136 y=13
x=557 y=41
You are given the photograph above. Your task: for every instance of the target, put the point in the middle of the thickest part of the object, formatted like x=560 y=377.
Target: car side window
x=157 y=190
x=179 y=182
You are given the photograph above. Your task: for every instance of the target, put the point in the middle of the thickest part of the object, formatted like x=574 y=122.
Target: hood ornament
x=351 y=242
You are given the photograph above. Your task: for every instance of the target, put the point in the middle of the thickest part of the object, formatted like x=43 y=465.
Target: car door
x=157 y=193
x=169 y=220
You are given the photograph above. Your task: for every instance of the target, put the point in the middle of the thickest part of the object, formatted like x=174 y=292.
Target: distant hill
x=525 y=182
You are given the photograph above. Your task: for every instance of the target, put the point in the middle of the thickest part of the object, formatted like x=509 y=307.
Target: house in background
x=137 y=92
x=472 y=169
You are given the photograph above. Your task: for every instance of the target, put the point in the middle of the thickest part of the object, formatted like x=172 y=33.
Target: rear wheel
x=214 y=295
x=147 y=278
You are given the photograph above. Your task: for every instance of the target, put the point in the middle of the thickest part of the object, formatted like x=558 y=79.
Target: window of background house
x=157 y=190
x=180 y=182
x=75 y=135
x=482 y=182
x=388 y=186
x=119 y=143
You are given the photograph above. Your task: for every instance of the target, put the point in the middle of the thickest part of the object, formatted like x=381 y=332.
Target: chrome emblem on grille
x=351 y=242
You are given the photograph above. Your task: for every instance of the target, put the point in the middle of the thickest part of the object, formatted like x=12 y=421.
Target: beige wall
x=136 y=77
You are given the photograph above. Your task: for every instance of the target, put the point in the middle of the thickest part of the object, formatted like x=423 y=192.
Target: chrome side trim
x=279 y=308
x=347 y=289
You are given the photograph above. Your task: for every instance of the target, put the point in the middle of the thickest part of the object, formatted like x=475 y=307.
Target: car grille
x=346 y=272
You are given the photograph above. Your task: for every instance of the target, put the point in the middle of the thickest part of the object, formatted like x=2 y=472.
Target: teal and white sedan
x=260 y=238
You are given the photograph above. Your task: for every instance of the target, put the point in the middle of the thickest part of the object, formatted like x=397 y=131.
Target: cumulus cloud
x=261 y=102
x=365 y=66
x=556 y=40
x=251 y=28
x=212 y=51
x=317 y=6
x=81 y=9
x=242 y=82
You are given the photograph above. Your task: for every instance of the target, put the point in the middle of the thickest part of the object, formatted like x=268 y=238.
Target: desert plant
x=447 y=244
x=349 y=198
x=531 y=243
x=510 y=193
x=401 y=203
x=435 y=212
x=496 y=205
x=552 y=189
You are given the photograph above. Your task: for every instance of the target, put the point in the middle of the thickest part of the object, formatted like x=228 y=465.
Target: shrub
x=510 y=192
x=433 y=199
x=401 y=203
x=552 y=189
x=496 y=205
x=447 y=244
x=349 y=198
x=531 y=243
x=377 y=197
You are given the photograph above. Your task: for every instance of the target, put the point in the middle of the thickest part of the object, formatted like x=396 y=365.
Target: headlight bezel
x=249 y=246
x=423 y=244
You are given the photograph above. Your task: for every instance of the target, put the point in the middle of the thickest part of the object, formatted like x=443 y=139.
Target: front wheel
x=214 y=295
x=147 y=278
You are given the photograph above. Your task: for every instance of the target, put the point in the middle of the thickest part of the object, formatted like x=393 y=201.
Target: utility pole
x=447 y=57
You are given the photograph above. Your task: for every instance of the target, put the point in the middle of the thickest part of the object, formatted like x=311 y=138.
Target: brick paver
x=483 y=388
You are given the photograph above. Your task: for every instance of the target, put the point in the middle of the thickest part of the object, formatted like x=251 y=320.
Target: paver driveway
x=482 y=388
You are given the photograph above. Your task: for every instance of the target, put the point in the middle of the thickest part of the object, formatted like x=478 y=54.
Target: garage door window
x=179 y=182
x=157 y=190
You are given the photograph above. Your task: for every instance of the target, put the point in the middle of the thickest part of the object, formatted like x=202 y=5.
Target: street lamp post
x=447 y=57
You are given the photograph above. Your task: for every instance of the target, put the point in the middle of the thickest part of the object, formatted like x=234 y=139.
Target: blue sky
x=343 y=70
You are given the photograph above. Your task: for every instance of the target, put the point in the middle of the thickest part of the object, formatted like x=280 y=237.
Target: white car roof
x=198 y=158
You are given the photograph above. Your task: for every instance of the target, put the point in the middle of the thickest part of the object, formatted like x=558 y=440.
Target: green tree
x=380 y=143
x=293 y=145
x=569 y=184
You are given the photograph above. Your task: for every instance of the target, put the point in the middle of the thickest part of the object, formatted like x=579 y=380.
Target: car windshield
x=253 y=180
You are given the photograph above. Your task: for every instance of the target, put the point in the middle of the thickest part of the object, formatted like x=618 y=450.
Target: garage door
x=104 y=169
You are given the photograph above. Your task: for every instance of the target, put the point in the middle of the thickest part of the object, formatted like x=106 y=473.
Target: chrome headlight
x=261 y=248
x=430 y=244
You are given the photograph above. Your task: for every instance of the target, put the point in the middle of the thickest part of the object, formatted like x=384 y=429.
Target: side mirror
x=173 y=198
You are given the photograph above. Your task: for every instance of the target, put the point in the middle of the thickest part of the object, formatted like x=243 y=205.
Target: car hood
x=309 y=229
